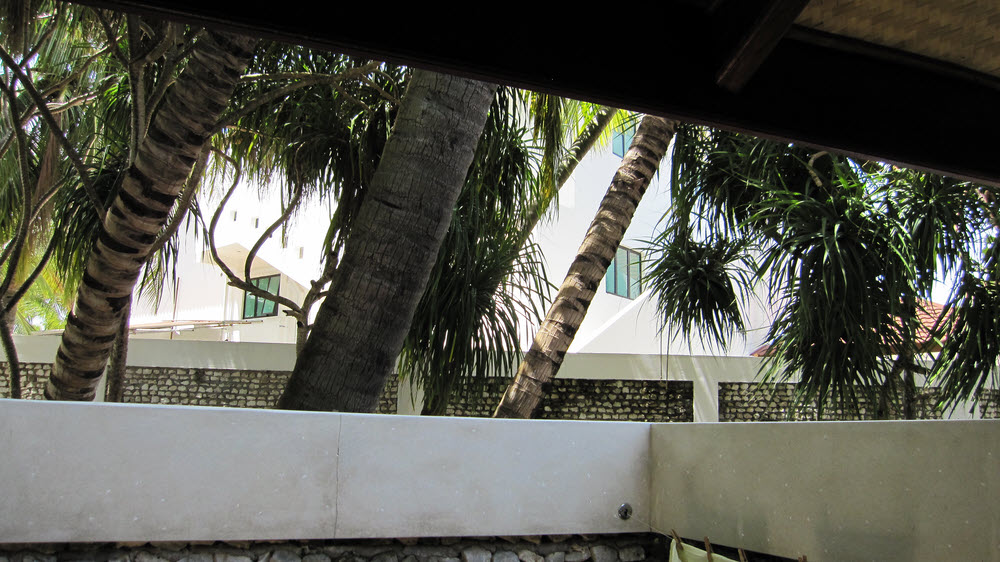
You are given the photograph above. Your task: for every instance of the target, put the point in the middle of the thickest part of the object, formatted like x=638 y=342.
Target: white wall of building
x=201 y=289
x=616 y=324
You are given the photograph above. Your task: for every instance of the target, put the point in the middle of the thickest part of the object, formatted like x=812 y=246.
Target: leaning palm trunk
x=10 y=351
x=141 y=209
x=556 y=333
x=391 y=251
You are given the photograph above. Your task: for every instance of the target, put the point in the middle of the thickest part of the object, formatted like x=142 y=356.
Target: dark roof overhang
x=791 y=81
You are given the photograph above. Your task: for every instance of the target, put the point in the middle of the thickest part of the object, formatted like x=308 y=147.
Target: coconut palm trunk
x=388 y=257
x=542 y=362
x=10 y=351
x=164 y=160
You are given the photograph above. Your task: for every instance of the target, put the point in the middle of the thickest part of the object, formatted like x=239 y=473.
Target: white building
x=201 y=305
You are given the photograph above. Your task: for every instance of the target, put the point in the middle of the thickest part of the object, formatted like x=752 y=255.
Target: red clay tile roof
x=928 y=315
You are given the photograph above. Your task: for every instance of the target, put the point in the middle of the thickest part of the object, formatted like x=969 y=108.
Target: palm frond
x=970 y=323
x=700 y=284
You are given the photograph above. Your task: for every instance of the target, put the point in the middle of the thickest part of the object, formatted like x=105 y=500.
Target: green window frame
x=624 y=277
x=260 y=307
x=621 y=139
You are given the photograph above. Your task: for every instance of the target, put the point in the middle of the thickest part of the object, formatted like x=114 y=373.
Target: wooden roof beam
x=761 y=32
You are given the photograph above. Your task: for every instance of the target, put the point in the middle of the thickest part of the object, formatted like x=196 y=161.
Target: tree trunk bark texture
x=360 y=327
x=165 y=158
x=569 y=308
x=114 y=391
x=10 y=351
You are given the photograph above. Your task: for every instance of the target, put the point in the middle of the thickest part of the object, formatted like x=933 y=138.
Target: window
x=624 y=276
x=621 y=139
x=259 y=307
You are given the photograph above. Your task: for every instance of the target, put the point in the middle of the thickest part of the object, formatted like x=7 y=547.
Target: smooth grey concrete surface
x=111 y=472
x=834 y=491
x=434 y=476
x=831 y=490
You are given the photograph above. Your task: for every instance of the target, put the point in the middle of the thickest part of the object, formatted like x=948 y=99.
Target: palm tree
x=149 y=59
x=849 y=250
x=162 y=162
x=388 y=258
x=327 y=142
x=556 y=333
x=251 y=102
x=144 y=86
x=83 y=83
x=40 y=120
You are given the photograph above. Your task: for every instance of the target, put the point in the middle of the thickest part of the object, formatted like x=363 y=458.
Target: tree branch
x=13 y=250
x=292 y=204
x=78 y=72
x=42 y=39
x=316 y=292
x=57 y=108
x=344 y=93
x=812 y=171
x=302 y=75
x=136 y=76
x=190 y=40
x=74 y=157
x=159 y=49
x=233 y=279
x=385 y=95
x=308 y=80
x=54 y=107
x=113 y=40
x=163 y=82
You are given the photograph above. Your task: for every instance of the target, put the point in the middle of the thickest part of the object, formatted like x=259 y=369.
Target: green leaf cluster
x=844 y=251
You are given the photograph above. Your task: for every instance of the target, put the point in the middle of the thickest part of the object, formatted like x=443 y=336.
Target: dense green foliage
x=310 y=123
x=847 y=253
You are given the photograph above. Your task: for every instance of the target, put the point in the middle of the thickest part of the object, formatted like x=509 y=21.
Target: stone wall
x=189 y=387
x=204 y=387
x=576 y=399
x=752 y=402
x=989 y=405
x=585 y=399
x=575 y=548
x=579 y=399
x=387 y=402
x=33 y=379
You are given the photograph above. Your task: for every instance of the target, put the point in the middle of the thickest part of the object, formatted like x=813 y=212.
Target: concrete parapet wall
x=834 y=491
x=112 y=472
x=918 y=490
